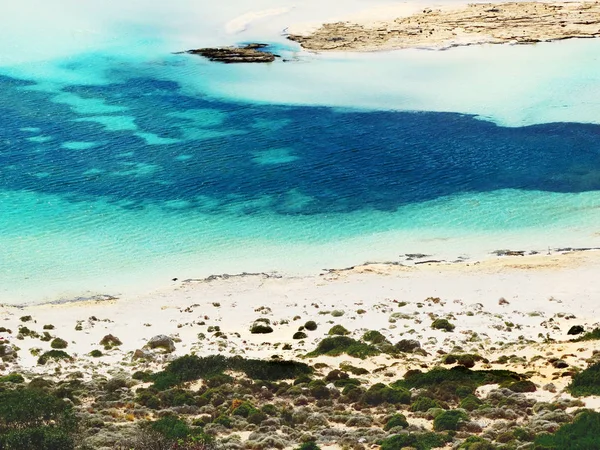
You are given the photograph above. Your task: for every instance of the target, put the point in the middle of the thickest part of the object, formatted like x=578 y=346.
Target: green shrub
x=318 y=389
x=423 y=403
x=53 y=354
x=476 y=443
x=171 y=427
x=470 y=403
x=244 y=410
x=449 y=420
x=192 y=367
x=380 y=393
x=593 y=335
x=34 y=420
x=419 y=441
x=260 y=328
x=457 y=376
x=142 y=375
x=311 y=445
x=586 y=382
x=96 y=353
x=582 y=434
x=15 y=378
x=311 y=325
x=26 y=319
x=374 y=337
x=338 y=330
x=109 y=341
x=59 y=343
x=397 y=420
x=522 y=386
x=299 y=335
x=442 y=324
x=223 y=420
x=353 y=369
x=338 y=345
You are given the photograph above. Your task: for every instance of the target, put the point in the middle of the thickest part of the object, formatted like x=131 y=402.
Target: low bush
x=59 y=343
x=56 y=355
x=418 y=441
x=339 y=345
x=31 y=419
x=380 y=393
x=397 y=420
x=449 y=420
x=470 y=403
x=15 y=378
x=442 y=324
x=192 y=367
x=311 y=325
x=260 y=328
x=311 y=445
x=299 y=335
x=593 y=335
x=374 y=337
x=338 y=330
x=586 y=382
x=582 y=434
x=423 y=403
x=522 y=386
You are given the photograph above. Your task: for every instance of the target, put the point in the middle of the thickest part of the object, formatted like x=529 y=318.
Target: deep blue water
x=339 y=161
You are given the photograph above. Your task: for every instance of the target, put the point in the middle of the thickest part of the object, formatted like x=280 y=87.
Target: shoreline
x=454 y=25
x=513 y=312
x=412 y=262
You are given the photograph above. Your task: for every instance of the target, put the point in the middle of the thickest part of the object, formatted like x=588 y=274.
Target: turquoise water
x=123 y=166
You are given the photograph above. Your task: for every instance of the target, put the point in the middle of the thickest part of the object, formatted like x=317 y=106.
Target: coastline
x=441 y=28
x=522 y=306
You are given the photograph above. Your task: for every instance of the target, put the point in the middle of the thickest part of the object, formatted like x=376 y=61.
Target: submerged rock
x=251 y=53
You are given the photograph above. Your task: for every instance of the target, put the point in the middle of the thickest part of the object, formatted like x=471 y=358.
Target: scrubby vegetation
x=338 y=345
x=191 y=367
x=442 y=324
x=582 y=434
x=32 y=419
x=593 y=335
x=586 y=382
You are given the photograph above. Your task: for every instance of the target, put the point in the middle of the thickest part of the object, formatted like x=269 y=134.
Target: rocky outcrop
x=251 y=53
x=161 y=341
x=481 y=23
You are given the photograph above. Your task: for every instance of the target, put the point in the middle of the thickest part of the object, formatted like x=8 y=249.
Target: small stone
x=161 y=341
x=142 y=354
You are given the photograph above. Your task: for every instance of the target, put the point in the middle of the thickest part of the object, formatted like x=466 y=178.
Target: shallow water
x=123 y=166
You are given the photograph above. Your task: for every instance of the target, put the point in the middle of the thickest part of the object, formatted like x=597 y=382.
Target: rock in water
x=161 y=341
x=251 y=53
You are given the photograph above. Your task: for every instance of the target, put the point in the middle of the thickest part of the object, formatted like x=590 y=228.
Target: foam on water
x=124 y=166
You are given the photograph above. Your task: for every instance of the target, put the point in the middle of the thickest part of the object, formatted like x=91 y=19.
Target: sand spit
x=480 y=23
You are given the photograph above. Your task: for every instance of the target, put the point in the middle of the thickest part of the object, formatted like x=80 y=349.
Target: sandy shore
x=452 y=25
x=519 y=308
x=536 y=289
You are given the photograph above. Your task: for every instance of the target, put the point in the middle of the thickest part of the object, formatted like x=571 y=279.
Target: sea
x=127 y=166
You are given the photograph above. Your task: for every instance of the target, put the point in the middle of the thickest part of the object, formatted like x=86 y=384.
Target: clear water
x=123 y=166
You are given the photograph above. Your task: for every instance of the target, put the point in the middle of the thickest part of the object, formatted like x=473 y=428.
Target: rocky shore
x=482 y=23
